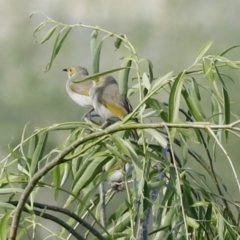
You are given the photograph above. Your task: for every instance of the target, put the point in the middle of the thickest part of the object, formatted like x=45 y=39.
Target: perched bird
x=111 y=106
x=79 y=92
x=108 y=102
x=116 y=179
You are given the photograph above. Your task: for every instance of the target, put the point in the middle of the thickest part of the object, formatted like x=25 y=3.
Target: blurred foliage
x=169 y=33
x=186 y=202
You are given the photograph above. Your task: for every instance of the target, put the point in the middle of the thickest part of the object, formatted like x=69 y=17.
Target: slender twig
x=60 y=157
x=102 y=205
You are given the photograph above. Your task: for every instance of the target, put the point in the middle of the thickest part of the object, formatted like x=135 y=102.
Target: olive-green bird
x=108 y=102
x=79 y=92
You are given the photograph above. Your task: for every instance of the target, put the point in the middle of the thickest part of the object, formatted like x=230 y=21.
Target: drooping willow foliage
x=164 y=198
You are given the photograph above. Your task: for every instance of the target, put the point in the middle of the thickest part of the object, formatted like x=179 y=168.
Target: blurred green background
x=169 y=33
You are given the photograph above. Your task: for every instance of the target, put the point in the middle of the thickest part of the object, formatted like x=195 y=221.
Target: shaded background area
x=169 y=33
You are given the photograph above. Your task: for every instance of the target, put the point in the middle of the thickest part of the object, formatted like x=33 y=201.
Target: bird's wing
x=81 y=88
x=116 y=109
x=126 y=104
x=117 y=104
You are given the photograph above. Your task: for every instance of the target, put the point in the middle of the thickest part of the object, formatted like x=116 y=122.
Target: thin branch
x=59 y=158
x=235 y=123
x=52 y=218
x=102 y=205
x=66 y=212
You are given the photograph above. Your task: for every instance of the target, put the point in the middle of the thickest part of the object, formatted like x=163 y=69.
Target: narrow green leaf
x=122 y=208
x=14 y=154
x=189 y=193
x=201 y=204
x=123 y=77
x=231 y=231
x=192 y=106
x=216 y=110
x=189 y=134
x=220 y=227
x=4 y=205
x=207 y=69
x=93 y=169
x=96 y=57
x=174 y=98
x=208 y=215
x=117 y=153
x=118 y=41
x=31 y=148
x=49 y=65
x=109 y=167
x=159 y=108
x=38 y=28
x=229 y=63
x=161 y=80
x=196 y=88
x=134 y=158
x=65 y=175
x=158 y=230
x=148 y=114
x=121 y=225
x=87 y=198
x=150 y=70
x=56 y=180
x=49 y=34
x=155 y=134
x=56 y=48
x=167 y=221
x=36 y=12
x=192 y=222
x=193 y=95
x=203 y=50
x=31 y=15
x=4 y=225
x=150 y=75
x=232 y=65
x=41 y=143
x=97 y=75
x=184 y=149
x=146 y=81
x=146 y=194
x=229 y=49
x=23 y=169
x=84 y=165
x=227 y=106
x=120 y=145
x=60 y=43
x=93 y=42
x=10 y=190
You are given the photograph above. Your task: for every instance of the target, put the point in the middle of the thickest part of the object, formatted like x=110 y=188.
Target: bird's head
x=72 y=71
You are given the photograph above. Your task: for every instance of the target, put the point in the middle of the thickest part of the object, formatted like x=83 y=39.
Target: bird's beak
x=65 y=70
